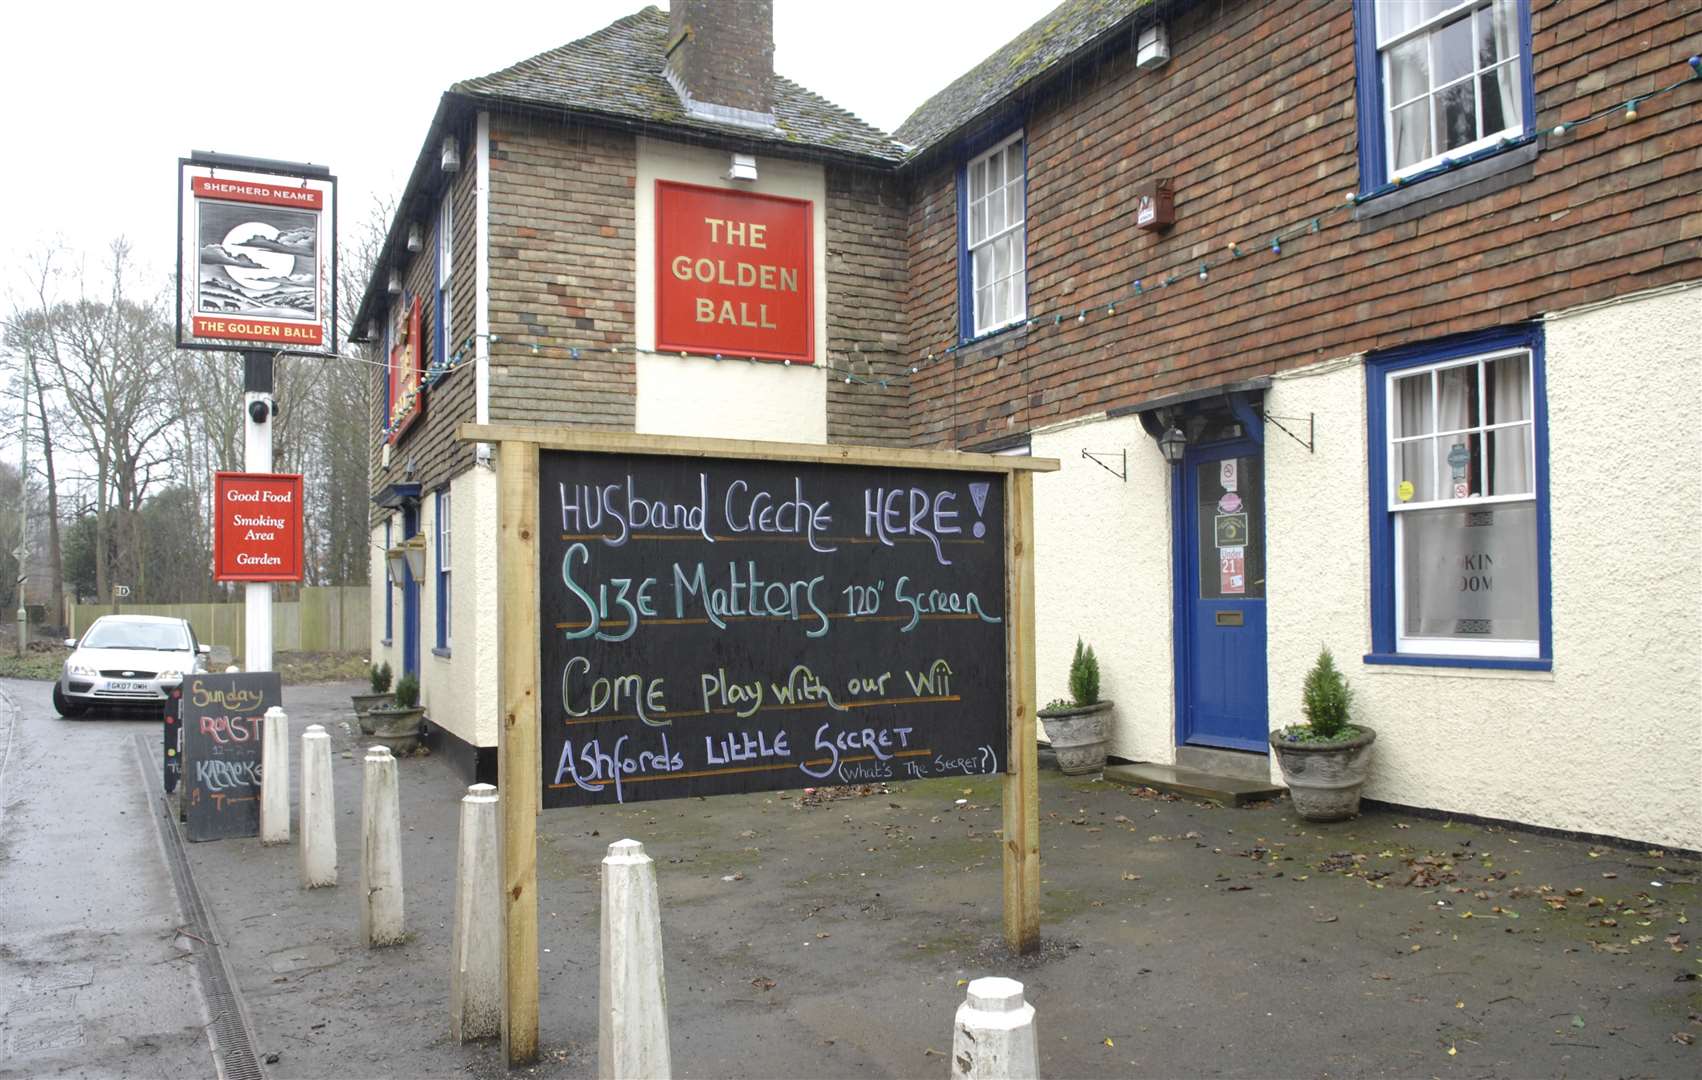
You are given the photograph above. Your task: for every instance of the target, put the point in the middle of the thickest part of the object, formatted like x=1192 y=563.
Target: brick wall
x=1254 y=120
x=430 y=444
x=866 y=278
x=561 y=272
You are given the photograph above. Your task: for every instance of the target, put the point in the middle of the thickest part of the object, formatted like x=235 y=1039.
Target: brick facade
x=430 y=444
x=866 y=279
x=1254 y=121
x=561 y=266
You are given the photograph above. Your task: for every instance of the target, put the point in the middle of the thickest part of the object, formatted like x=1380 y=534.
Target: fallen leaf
x=1108 y=1042
x=1326 y=918
x=1610 y=875
x=1381 y=977
x=1130 y=877
x=931 y=1052
x=1577 y=1021
x=1452 y=1051
x=1574 y=892
x=1683 y=1037
x=1642 y=939
x=1416 y=948
x=963 y=982
x=1459 y=1004
x=1602 y=946
x=763 y=983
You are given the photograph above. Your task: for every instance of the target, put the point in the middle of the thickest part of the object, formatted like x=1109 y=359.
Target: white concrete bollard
x=381 y=850
x=475 y=976
x=993 y=1038
x=318 y=810
x=275 y=777
x=632 y=996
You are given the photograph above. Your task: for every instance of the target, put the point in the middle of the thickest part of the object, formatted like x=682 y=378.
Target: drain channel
x=233 y=1043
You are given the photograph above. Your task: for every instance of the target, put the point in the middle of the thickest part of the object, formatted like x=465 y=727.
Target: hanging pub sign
x=734 y=274
x=257 y=527
x=407 y=371
x=257 y=255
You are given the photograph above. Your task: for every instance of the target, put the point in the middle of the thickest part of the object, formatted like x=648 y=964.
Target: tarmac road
x=812 y=937
x=94 y=978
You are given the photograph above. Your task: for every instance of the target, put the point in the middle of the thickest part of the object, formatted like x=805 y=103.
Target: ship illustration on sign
x=257 y=261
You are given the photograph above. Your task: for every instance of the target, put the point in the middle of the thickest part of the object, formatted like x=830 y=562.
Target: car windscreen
x=132 y=635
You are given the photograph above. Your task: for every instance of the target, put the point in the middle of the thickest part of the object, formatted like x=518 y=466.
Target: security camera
x=258 y=411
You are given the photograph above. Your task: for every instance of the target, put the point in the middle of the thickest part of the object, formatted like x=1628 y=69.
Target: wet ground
x=814 y=936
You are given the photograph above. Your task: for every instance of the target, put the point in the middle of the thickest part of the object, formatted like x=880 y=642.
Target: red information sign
x=257 y=527
x=734 y=274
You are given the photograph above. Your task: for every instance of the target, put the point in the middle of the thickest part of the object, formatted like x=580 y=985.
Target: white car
x=127 y=660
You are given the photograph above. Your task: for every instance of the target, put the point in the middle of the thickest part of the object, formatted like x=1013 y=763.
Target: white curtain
x=1508 y=381
x=1505 y=16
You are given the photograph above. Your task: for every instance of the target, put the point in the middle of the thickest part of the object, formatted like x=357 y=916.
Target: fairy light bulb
x=1276 y=245
x=1631 y=109
x=1202 y=271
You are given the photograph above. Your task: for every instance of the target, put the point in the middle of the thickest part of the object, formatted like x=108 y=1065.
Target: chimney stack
x=720 y=59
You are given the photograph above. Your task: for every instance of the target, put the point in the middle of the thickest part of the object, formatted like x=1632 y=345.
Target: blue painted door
x=1220 y=622
x=410 y=601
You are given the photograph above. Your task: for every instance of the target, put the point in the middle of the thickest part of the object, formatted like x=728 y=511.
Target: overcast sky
x=104 y=97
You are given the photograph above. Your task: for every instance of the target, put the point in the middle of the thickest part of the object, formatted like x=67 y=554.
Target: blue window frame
x=389 y=589
x=445 y=561
x=1439 y=79
x=992 y=215
x=1459 y=502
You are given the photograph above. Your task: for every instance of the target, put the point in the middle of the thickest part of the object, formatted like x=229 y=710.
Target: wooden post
x=518 y=766
x=1022 y=782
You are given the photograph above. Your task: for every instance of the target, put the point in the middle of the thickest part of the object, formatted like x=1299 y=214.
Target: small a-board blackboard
x=171 y=770
x=718 y=626
x=222 y=718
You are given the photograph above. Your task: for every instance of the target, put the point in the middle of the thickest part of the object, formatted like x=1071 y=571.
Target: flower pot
x=1078 y=736
x=1324 y=778
x=363 y=704
x=395 y=727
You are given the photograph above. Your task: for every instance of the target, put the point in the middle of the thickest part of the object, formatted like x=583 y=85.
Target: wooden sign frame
x=518 y=730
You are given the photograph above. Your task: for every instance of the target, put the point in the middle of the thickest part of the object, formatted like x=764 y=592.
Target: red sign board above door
x=734 y=274
x=257 y=526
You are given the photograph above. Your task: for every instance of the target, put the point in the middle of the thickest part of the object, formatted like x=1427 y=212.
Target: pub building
x=1352 y=325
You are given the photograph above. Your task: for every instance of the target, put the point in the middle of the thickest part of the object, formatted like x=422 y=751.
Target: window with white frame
x=389 y=588
x=445 y=270
x=445 y=561
x=1463 y=502
x=1452 y=75
x=995 y=209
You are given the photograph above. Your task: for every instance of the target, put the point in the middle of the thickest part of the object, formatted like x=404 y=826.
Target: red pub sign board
x=734 y=274
x=257 y=527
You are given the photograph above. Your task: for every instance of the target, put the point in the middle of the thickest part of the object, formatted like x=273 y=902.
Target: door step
x=1240 y=763
x=1213 y=787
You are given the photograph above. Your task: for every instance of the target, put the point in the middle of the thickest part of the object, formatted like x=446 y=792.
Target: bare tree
x=110 y=367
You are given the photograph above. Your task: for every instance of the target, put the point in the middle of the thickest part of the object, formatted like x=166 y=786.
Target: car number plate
x=132 y=686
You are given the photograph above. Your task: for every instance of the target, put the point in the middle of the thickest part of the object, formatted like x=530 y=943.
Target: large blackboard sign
x=222 y=716
x=715 y=626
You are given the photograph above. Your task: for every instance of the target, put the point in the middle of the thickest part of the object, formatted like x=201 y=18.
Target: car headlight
x=168 y=676
x=81 y=669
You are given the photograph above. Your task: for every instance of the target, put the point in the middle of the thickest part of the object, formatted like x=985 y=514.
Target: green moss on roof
x=1053 y=40
x=617 y=72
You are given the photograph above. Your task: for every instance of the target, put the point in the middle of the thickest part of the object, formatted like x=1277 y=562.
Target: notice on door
x=1232 y=570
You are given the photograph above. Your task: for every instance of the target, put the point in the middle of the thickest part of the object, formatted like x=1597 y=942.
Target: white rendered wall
x=379 y=579
x=697 y=395
x=459 y=690
x=1102 y=572
x=1608 y=742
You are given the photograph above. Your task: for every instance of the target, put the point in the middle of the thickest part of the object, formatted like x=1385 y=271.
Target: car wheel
x=68 y=709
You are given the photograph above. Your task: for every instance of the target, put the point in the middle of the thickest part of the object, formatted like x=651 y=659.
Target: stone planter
x=1079 y=736
x=395 y=727
x=1324 y=778
x=363 y=704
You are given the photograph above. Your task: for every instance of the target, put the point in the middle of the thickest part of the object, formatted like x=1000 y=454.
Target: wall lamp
x=1173 y=444
x=406 y=560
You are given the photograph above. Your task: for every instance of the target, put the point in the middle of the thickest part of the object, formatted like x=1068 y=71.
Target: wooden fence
x=325 y=619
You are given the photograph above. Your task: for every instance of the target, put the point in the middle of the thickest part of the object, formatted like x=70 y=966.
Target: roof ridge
x=610 y=30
